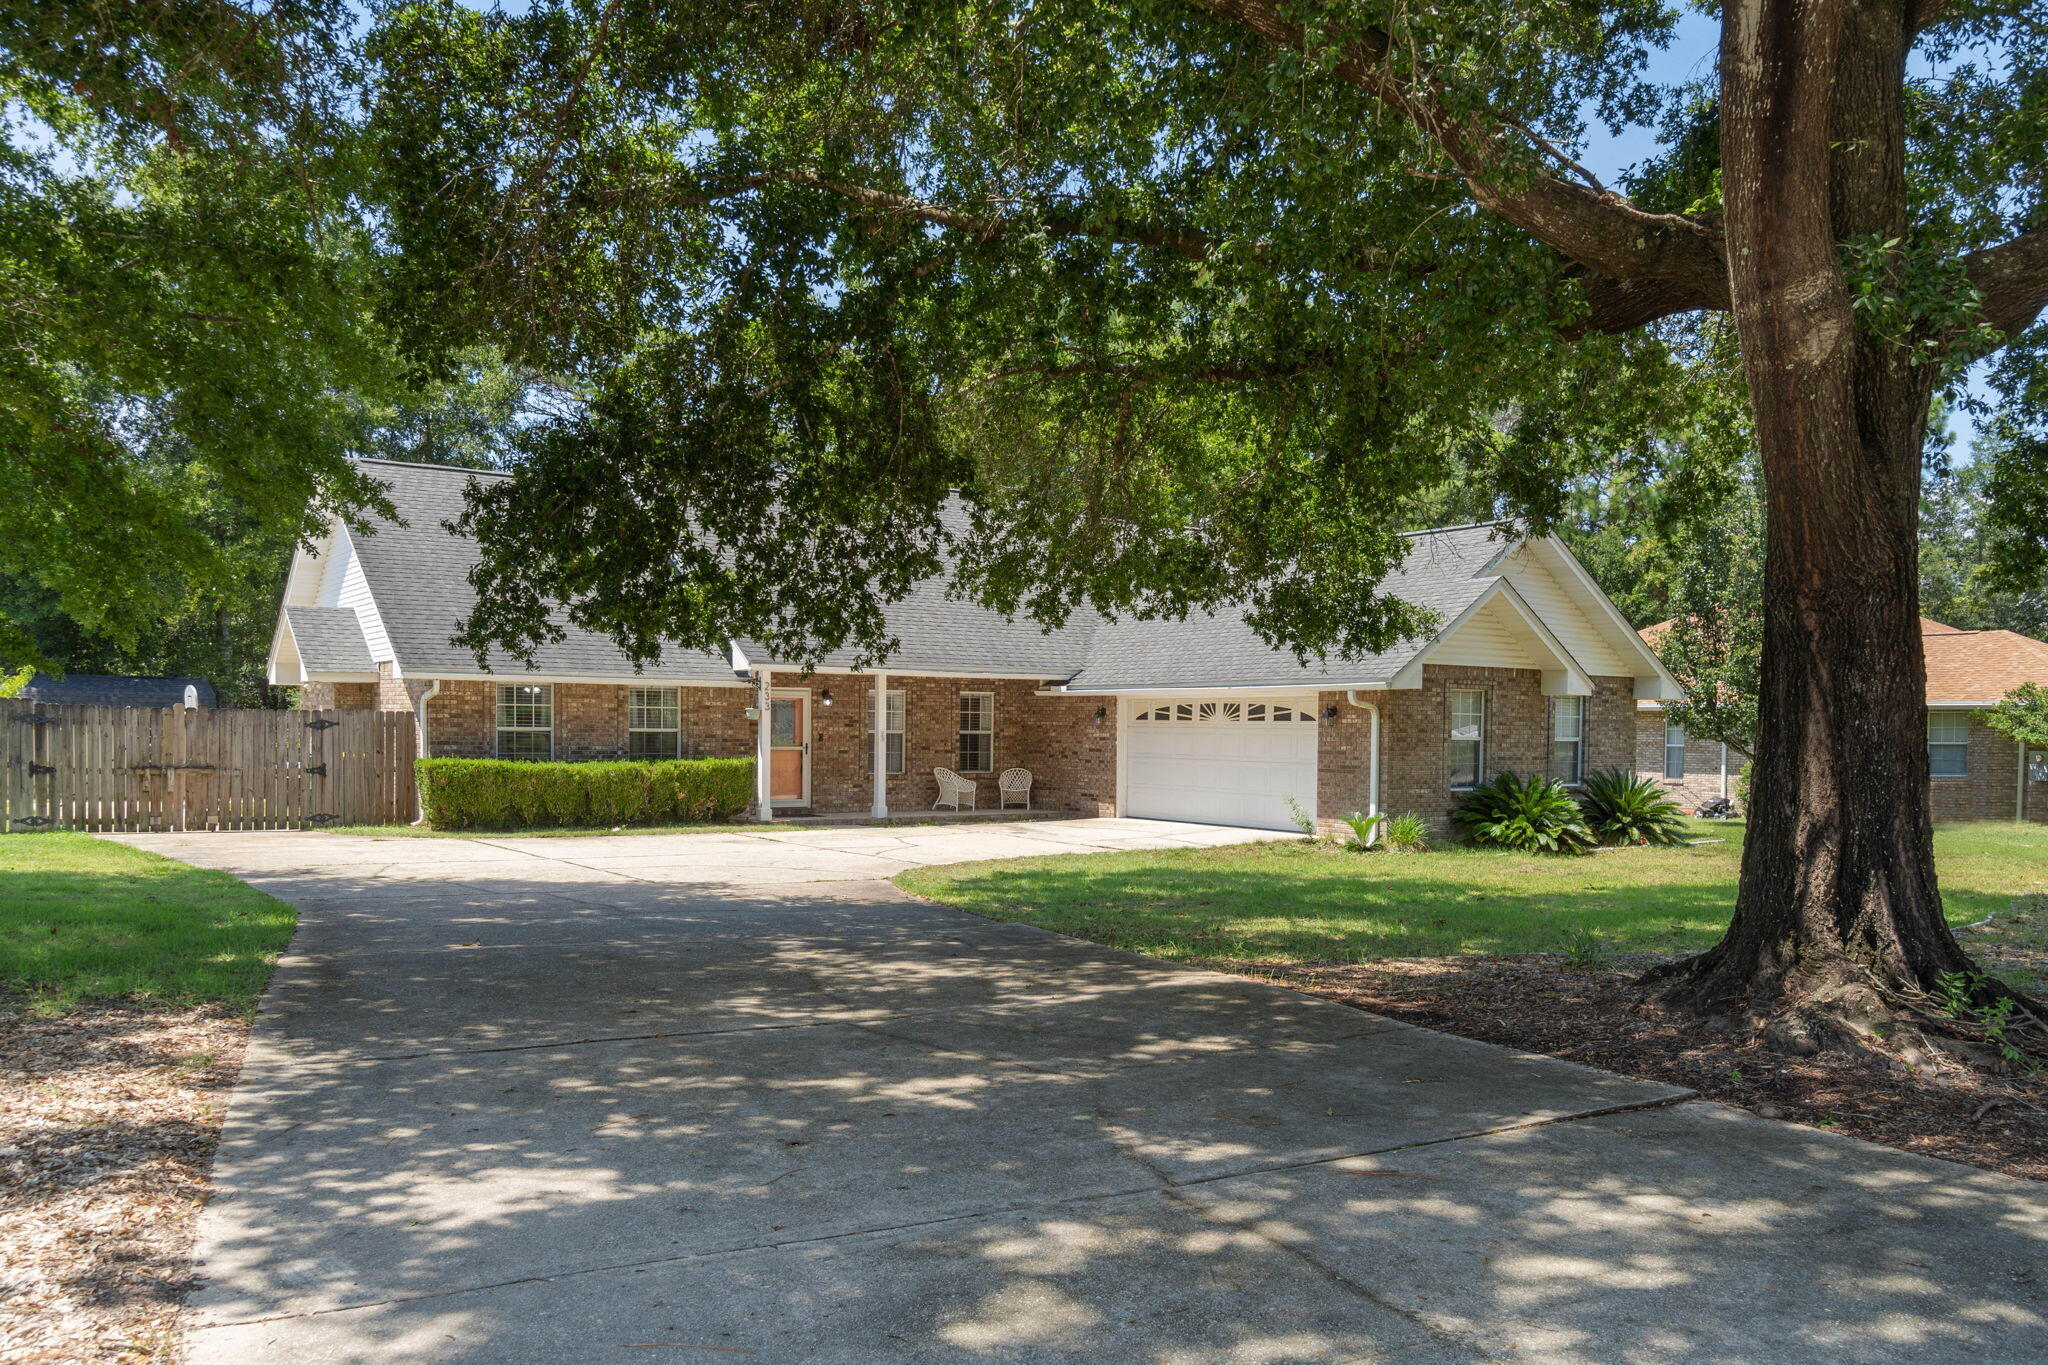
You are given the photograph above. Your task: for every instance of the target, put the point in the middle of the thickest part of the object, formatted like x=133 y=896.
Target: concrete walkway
x=715 y=1096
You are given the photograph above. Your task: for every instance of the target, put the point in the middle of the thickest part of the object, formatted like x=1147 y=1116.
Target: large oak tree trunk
x=1838 y=911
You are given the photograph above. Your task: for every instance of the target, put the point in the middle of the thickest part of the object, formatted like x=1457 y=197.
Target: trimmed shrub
x=1625 y=809
x=493 y=793
x=1536 y=816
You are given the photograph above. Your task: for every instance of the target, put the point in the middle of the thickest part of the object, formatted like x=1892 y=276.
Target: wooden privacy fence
x=173 y=768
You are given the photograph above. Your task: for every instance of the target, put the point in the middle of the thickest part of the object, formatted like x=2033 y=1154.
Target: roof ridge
x=440 y=468
x=1496 y=522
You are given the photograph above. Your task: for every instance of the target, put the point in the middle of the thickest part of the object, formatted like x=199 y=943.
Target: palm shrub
x=1625 y=809
x=1533 y=816
x=1362 y=829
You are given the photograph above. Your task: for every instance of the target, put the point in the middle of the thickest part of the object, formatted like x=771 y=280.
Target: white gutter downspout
x=1724 y=770
x=420 y=731
x=2019 y=804
x=1372 y=765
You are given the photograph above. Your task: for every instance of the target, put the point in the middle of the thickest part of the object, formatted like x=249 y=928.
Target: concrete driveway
x=687 y=1097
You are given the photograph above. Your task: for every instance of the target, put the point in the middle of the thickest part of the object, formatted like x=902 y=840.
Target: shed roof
x=110 y=689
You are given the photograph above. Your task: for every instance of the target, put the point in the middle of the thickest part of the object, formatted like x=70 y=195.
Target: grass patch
x=1297 y=902
x=84 y=920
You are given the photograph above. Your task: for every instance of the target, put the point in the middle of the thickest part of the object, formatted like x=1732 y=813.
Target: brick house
x=1976 y=774
x=1531 y=669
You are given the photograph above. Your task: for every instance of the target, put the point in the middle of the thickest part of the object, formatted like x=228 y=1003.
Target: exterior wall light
x=825 y=697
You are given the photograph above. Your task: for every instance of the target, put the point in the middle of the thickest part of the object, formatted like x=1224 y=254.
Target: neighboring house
x=1977 y=774
x=1532 y=670
x=107 y=689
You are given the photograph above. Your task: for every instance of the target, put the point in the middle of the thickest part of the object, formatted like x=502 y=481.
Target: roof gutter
x=420 y=734
x=1372 y=764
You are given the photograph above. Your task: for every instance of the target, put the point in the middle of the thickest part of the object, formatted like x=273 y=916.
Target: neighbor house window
x=1568 y=738
x=1948 y=743
x=977 y=731
x=654 y=722
x=894 y=740
x=1674 y=752
x=1467 y=754
x=526 y=720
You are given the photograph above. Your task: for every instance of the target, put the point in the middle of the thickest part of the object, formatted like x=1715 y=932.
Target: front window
x=894 y=732
x=1568 y=738
x=526 y=720
x=1467 y=752
x=977 y=732
x=1674 y=752
x=654 y=723
x=1948 y=743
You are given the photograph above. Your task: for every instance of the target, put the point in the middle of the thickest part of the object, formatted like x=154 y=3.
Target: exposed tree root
x=1843 y=1006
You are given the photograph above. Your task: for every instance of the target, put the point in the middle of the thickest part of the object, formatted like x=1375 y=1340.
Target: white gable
x=329 y=574
x=1535 y=569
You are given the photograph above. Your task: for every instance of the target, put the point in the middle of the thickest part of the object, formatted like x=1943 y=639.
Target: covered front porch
x=836 y=746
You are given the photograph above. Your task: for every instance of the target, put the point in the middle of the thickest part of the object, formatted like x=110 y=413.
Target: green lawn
x=84 y=920
x=1300 y=902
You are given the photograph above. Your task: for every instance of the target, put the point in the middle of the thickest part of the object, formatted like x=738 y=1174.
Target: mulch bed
x=1538 y=1003
x=108 y=1122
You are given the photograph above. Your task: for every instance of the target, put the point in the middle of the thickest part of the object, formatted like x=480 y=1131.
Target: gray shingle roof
x=419 y=575
x=1444 y=571
x=105 y=689
x=330 y=639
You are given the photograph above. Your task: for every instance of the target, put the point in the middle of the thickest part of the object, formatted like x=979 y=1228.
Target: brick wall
x=1990 y=790
x=1071 y=757
x=1415 y=728
x=1702 y=780
x=1072 y=761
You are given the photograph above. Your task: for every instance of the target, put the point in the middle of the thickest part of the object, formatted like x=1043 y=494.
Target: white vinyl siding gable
x=343 y=584
x=1558 y=606
x=1490 y=639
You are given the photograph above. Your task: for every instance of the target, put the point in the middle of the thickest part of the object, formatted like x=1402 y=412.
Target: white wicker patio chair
x=953 y=787
x=1014 y=782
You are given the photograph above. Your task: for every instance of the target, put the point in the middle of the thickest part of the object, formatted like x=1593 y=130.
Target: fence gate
x=173 y=768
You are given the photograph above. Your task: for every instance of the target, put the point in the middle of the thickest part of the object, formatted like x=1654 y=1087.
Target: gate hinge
x=323 y=724
x=38 y=769
x=316 y=770
x=34 y=718
x=34 y=821
x=323 y=818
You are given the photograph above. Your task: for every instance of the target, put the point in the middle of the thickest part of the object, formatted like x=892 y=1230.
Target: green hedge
x=493 y=793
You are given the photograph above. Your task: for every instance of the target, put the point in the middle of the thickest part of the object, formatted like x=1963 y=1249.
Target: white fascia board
x=337 y=675
x=1963 y=705
x=576 y=679
x=896 y=670
x=1617 y=625
x=1198 y=691
x=1567 y=679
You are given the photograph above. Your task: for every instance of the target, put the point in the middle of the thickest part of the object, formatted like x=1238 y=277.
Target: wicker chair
x=952 y=787
x=1014 y=782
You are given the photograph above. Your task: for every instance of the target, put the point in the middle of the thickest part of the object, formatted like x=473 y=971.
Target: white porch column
x=764 y=801
x=880 y=809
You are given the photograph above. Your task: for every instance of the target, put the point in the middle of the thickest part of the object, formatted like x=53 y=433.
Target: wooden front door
x=789 y=750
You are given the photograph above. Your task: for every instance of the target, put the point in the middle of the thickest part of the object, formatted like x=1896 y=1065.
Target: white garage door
x=1221 y=762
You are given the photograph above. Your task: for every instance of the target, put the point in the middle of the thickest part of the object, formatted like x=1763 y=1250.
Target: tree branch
x=2014 y=278
x=1594 y=228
